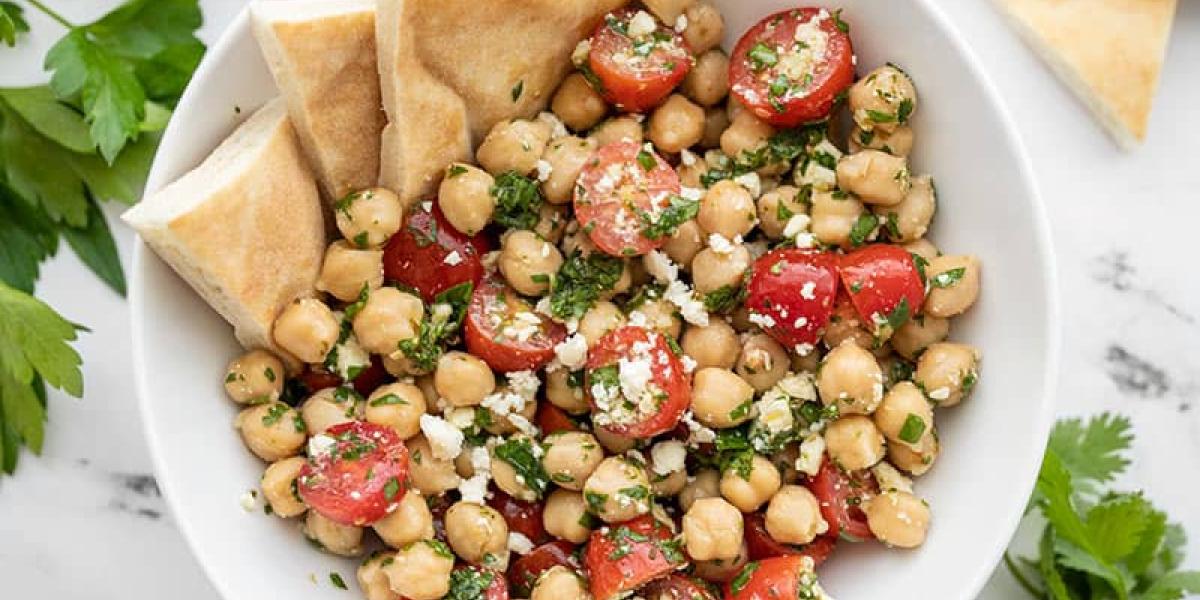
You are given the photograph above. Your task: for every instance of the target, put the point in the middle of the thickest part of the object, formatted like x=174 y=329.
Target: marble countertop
x=86 y=520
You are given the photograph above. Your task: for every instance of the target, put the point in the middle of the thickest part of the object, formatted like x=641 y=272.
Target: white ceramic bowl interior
x=991 y=444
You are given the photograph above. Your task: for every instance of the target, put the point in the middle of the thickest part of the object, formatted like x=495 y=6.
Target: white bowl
x=992 y=444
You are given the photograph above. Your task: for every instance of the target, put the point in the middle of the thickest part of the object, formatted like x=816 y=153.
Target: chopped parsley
x=678 y=211
x=646 y=160
x=949 y=278
x=913 y=429
x=517 y=90
x=595 y=501
x=469 y=584
x=446 y=316
x=904 y=111
x=337 y=581
x=738 y=583
x=842 y=26
x=723 y=299
x=742 y=410
x=388 y=400
x=580 y=281
x=863 y=228
x=455 y=171
x=518 y=200
x=762 y=56
x=518 y=453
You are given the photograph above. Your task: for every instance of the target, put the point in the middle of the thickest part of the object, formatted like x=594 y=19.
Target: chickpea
x=794 y=516
x=505 y=477
x=566 y=157
x=577 y=104
x=721 y=571
x=561 y=393
x=909 y=220
x=602 y=318
x=947 y=372
x=346 y=270
x=622 y=284
x=785 y=461
x=953 y=285
x=833 y=217
x=882 y=100
x=918 y=461
x=918 y=333
x=668 y=11
x=712 y=345
x=465 y=197
x=254 y=377
x=307 y=329
x=617 y=129
x=399 y=365
x=421 y=570
x=923 y=248
x=370 y=217
x=333 y=537
x=706 y=484
x=463 y=379
x=676 y=124
x=279 y=487
x=388 y=317
x=716 y=121
x=398 y=406
x=564 y=516
x=329 y=407
x=665 y=485
x=477 y=533
x=712 y=529
x=272 y=431
x=899 y=142
x=898 y=518
x=427 y=383
x=854 y=442
x=727 y=209
x=740 y=320
x=427 y=473
x=712 y=270
x=620 y=489
x=845 y=325
x=528 y=262
x=763 y=362
x=720 y=398
x=683 y=245
x=746 y=133
x=559 y=583
x=373 y=582
x=705 y=27
x=751 y=492
x=691 y=168
x=777 y=207
x=410 y=522
x=662 y=316
x=571 y=457
x=905 y=416
x=513 y=145
x=851 y=378
x=613 y=443
x=708 y=81
x=875 y=177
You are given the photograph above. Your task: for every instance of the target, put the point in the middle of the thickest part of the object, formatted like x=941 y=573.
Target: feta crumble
x=445 y=439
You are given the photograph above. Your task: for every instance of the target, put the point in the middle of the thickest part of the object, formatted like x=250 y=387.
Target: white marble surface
x=85 y=519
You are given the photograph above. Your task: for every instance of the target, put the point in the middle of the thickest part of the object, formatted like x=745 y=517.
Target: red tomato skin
x=524 y=518
x=525 y=570
x=761 y=545
x=612 y=573
x=836 y=75
x=329 y=484
x=315 y=380
x=599 y=211
x=671 y=378
x=497 y=589
x=506 y=355
x=371 y=377
x=552 y=419
x=416 y=256
x=774 y=579
x=877 y=277
x=777 y=289
x=677 y=587
x=632 y=89
x=833 y=489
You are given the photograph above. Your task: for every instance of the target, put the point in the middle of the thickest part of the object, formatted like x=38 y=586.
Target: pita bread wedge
x=322 y=55
x=245 y=228
x=1109 y=52
x=450 y=69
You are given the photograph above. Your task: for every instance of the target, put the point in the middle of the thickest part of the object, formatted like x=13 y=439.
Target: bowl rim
x=982 y=571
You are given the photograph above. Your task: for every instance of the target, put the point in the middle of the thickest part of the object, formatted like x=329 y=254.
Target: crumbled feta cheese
x=634 y=375
x=557 y=128
x=691 y=307
x=812 y=450
x=686 y=157
x=249 y=500
x=799 y=386
x=320 y=445
x=524 y=426
x=681 y=23
x=808 y=291
x=351 y=357
x=461 y=417
x=453 y=259
x=581 y=52
x=519 y=543
x=668 y=457
x=642 y=24
x=525 y=383
x=572 y=352
x=475 y=488
x=775 y=412
x=660 y=266
x=795 y=225
x=544 y=168
x=699 y=433
x=806 y=240
x=523 y=326
x=764 y=321
x=445 y=439
x=691 y=193
x=941 y=393
x=689 y=363
x=890 y=478
x=720 y=244
x=751 y=182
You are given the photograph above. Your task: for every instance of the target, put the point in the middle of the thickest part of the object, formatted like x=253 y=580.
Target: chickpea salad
x=680 y=337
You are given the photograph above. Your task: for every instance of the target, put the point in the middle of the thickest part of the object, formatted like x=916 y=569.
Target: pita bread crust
x=323 y=58
x=245 y=228
x=448 y=71
x=1110 y=52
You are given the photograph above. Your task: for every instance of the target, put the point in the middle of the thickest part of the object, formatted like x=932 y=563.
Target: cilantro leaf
x=1173 y=586
x=1091 y=453
x=12 y=22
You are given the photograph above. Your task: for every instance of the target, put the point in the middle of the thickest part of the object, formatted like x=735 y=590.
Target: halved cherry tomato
x=359 y=478
x=790 y=67
x=438 y=505
x=524 y=571
x=793 y=291
x=620 y=191
x=504 y=330
x=678 y=587
x=371 y=377
x=841 y=496
x=524 y=518
x=497 y=587
x=884 y=285
x=636 y=72
x=622 y=557
x=316 y=379
x=552 y=419
x=431 y=255
x=760 y=544
x=669 y=400
x=771 y=579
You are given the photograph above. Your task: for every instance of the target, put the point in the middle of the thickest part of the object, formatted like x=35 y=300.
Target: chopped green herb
x=274 y=413
x=518 y=453
x=517 y=90
x=913 y=429
x=863 y=228
x=469 y=584
x=904 y=111
x=518 y=200
x=580 y=281
x=742 y=410
x=738 y=583
x=949 y=278
x=723 y=299
x=762 y=56
x=446 y=316
x=877 y=116
x=388 y=400
x=337 y=581
x=646 y=160
x=679 y=211
x=455 y=171
x=842 y=26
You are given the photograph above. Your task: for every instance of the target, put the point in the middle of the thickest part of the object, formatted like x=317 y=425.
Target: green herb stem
x=52 y=14
x=1020 y=577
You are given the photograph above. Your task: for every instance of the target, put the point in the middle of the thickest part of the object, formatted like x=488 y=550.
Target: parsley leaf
x=679 y=211
x=863 y=228
x=446 y=314
x=517 y=200
x=11 y=23
x=580 y=281
x=518 y=453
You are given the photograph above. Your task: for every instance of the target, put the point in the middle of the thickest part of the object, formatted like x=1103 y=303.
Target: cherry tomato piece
x=636 y=69
x=792 y=292
x=504 y=330
x=678 y=587
x=773 y=579
x=790 y=68
x=552 y=419
x=315 y=379
x=884 y=285
x=431 y=255
x=524 y=571
x=524 y=518
x=664 y=398
x=841 y=496
x=760 y=544
x=358 y=476
x=472 y=577
x=622 y=557
x=371 y=377
x=621 y=191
